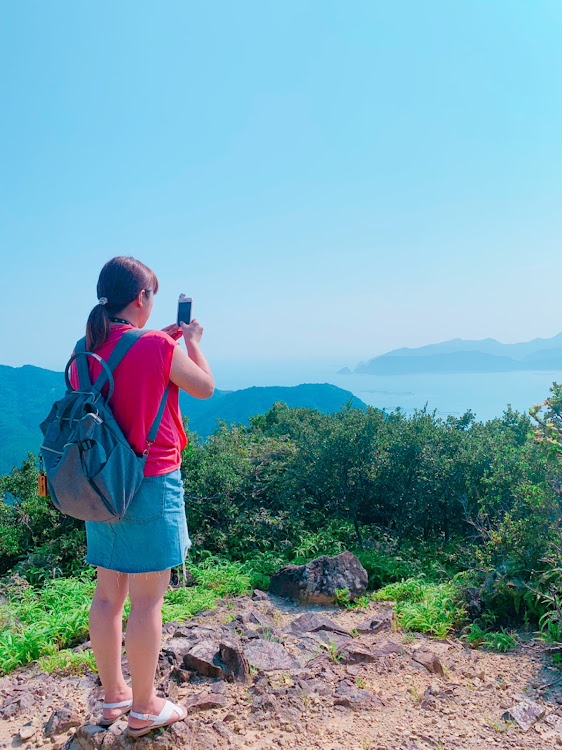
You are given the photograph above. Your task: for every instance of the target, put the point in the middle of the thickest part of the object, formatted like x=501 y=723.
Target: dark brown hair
x=121 y=281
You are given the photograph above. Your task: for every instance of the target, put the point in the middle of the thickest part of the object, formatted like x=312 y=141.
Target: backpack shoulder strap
x=151 y=437
x=120 y=349
x=82 y=370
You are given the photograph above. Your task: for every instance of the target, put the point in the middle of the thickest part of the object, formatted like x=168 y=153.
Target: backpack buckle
x=148 y=447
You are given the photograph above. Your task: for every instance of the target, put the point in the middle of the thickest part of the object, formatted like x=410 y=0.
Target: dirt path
x=339 y=693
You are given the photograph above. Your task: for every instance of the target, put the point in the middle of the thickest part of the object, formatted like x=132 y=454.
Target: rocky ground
x=261 y=673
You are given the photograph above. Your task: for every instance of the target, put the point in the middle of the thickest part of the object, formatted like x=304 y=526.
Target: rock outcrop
x=317 y=581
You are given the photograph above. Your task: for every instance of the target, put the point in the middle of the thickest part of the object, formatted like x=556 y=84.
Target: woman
x=153 y=536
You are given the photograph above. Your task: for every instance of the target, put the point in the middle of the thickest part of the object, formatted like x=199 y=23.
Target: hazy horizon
x=486 y=394
x=323 y=360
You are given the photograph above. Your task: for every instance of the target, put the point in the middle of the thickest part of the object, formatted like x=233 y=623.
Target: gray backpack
x=92 y=471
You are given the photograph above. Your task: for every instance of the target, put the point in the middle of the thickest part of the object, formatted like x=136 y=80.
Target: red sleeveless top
x=140 y=381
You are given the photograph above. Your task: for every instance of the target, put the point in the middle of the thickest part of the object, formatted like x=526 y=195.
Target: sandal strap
x=122 y=704
x=142 y=717
x=164 y=715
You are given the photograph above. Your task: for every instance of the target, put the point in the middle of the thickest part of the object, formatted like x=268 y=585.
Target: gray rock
x=61 y=721
x=314 y=686
x=177 y=735
x=525 y=714
x=261 y=684
x=377 y=623
x=249 y=633
x=167 y=689
x=357 y=653
x=27 y=732
x=204 y=702
x=431 y=697
x=203 y=658
x=318 y=581
x=385 y=648
x=269 y=655
x=429 y=660
x=118 y=727
x=223 y=731
x=327 y=637
x=87 y=737
x=310 y=622
x=349 y=696
x=260 y=596
x=205 y=739
x=555 y=722
x=9 y=710
x=181 y=676
x=16 y=704
x=195 y=632
x=234 y=662
x=265 y=702
x=182 y=631
x=254 y=617
x=176 y=648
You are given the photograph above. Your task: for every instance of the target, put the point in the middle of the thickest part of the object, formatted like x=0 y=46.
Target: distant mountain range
x=459 y=355
x=27 y=393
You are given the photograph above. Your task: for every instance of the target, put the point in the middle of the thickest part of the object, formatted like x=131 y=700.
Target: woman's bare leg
x=143 y=640
x=106 y=632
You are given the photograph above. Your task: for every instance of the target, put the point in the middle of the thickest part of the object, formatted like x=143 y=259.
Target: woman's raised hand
x=192 y=333
x=174 y=331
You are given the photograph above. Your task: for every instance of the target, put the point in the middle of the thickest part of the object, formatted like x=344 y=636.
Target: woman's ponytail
x=97 y=328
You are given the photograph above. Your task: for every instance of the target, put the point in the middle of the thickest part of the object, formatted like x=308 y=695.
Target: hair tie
x=102 y=301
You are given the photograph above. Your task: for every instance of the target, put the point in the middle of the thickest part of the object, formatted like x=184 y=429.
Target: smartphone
x=184 y=310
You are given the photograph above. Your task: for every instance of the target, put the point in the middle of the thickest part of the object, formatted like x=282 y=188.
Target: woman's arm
x=190 y=371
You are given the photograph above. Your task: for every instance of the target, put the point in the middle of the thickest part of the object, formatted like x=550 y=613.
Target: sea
x=487 y=395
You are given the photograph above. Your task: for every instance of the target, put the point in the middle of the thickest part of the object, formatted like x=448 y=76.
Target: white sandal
x=125 y=705
x=164 y=718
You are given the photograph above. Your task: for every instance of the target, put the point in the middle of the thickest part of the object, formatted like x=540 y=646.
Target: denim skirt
x=152 y=536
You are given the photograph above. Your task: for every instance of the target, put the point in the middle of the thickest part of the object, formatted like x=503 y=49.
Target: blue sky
x=325 y=179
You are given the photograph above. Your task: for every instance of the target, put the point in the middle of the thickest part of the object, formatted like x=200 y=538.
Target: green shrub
x=409 y=494
x=36 y=541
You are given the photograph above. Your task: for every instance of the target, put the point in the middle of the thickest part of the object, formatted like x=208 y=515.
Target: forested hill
x=238 y=406
x=27 y=393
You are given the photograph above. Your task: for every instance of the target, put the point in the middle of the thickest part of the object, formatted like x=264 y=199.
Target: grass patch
x=44 y=623
x=216 y=579
x=424 y=607
x=68 y=662
x=342 y=599
x=500 y=640
x=41 y=622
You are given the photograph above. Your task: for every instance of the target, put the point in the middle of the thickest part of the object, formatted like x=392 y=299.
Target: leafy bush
x=36 y=541
x=407 y=494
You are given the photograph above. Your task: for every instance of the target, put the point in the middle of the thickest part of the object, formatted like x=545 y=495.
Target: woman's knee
x=111 y=590
x=108 y=605
x=147 y=591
